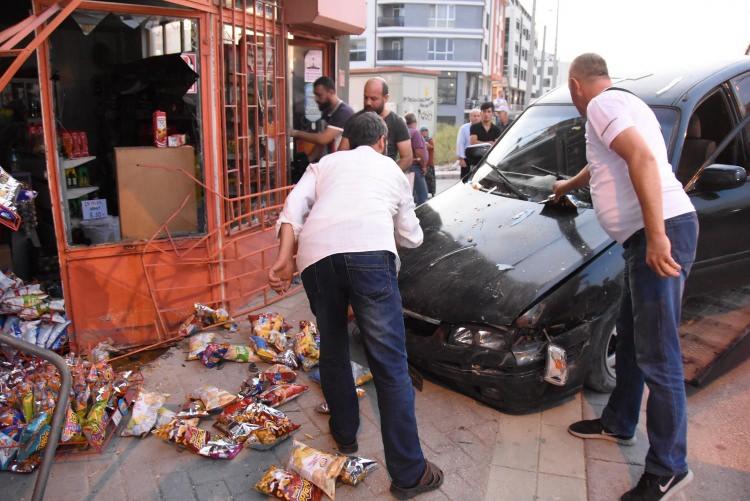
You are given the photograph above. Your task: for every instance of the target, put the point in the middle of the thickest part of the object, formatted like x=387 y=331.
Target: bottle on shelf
x=83 y=175
x=71 y=179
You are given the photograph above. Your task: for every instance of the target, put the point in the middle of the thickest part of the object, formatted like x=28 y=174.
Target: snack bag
x=287 y=485
x=281 y=394
x=278 y=374
x=96 y=424
x=240 y=353
x=198 y=343
x=287 y=358
x=356 y=469
x=164 y=416
x=213 y=397
x=267 y=322
x=8 y=446
x=361 y=374
x=307 y=345
x=323 y=408
x=190 y=326
x=264 y=352
x=318 y=467
x=144 y=414
x=220 y=448
x=192 y=409
x=175 y=430
x=72 y=427
x=195 y=438
x=213 y=354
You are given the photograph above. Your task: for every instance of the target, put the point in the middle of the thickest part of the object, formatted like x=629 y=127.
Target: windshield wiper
x=512 y=187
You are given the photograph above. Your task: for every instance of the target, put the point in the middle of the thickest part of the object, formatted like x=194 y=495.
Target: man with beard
x=335 y=114
x=398 y=146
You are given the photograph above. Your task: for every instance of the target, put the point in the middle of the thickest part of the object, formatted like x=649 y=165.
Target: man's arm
x=644 y=174
x=580 y=180
x=405 y=155
x=322 y=138
x=281 y=272
x=408 y=233
x=473 y=139
x=461 y=147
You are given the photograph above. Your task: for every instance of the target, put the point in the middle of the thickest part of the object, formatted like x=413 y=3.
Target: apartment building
x=452 y=37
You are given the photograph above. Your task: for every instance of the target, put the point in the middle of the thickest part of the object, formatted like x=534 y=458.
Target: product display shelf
x=73 y=193
x=71 y=163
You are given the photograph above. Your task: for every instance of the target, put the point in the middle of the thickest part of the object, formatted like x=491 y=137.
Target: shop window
x=447 y=85
x=128 y=116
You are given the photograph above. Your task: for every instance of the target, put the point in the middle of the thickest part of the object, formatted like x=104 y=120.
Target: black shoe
x=343 y=448
x=593 y=428
x=653 y=487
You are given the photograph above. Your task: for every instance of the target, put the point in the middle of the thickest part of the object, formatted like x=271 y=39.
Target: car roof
x=668 y=86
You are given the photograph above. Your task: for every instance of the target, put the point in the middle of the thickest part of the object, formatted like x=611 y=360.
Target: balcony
x=390 y=55
x=390 y=21
x=357 y=56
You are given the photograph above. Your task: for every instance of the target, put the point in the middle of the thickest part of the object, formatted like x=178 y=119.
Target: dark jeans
x=420 y=185
x=367 y=281
x=648 y=350
x=430 y=180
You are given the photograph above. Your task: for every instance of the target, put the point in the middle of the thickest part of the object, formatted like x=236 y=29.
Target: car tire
x=601 y=376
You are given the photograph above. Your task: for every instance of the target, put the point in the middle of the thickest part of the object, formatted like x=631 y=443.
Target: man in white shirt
x=348 y=213
x=640 y=203
x=463 y=139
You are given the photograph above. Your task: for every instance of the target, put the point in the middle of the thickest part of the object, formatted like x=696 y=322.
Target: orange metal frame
x=138 y=292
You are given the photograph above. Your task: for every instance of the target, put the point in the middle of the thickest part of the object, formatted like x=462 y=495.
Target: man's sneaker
x=653 y=487
x=593 y=428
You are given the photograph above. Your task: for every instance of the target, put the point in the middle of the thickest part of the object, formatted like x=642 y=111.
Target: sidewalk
x=485 y=454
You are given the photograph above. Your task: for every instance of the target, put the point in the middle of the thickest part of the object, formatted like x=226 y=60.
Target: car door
x=723 y=255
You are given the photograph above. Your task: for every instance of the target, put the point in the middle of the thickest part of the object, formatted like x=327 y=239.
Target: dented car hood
x=486 y=258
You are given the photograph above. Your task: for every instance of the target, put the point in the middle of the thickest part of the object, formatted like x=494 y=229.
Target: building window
x=486 y=51
x=523 y=74
x=550 y=70
x=525 y=54
x=515 y=70
x=515 y=48
x=447 y=86
x=442 y=16
x=169 y=38
x=357 y=50
x=487 y=20
x=518 y=24
x=546 y=82
x=440 y=49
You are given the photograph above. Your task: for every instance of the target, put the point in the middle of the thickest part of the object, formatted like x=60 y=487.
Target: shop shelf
x=72 y=193
x=70 y=163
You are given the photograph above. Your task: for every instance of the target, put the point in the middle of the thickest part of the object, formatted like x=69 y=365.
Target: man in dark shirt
x=335 y=114
x=420 y=154
x=485 y=131
x=399 y=140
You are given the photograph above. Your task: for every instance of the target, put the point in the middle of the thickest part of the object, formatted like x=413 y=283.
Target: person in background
x=463 y=139
x=640 y=203
x=398 y=146
x=348 y=213
x=335 y=113
x=485 y=131
x=429 y=177
x=421 y=156
x=501 y=111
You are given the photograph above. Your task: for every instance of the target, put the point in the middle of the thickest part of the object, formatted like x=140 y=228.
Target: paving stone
x=610 y=451
x=66 y=480
x=436 y=440
x=215 y=490
x=560 y=453
x=455 y=487
x=176 y=486
x=104 y=479
x=607 y=480
x=508 y=484
x=565 y=413
x=559 y=488
x=517 y=442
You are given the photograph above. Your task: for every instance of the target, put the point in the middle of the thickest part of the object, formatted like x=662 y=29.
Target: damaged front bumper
x=512 y=378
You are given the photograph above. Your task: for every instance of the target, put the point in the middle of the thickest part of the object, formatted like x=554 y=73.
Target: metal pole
x=555 y=83
x=541 y=64
x=58 y=416
x=530 y=60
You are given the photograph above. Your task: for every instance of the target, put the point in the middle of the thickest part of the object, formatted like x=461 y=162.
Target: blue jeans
x=420 y=185
x=648 y=350
x=367 y=281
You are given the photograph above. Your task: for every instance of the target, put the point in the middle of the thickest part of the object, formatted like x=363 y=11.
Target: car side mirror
x=718 y=177
x=475 y=152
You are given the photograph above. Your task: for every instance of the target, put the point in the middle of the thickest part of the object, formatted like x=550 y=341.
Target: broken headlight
x=480 y=336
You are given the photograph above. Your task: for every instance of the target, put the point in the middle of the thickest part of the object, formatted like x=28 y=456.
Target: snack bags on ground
x=277 y=374
x=361 y=374
x=198 y=343
x=262 y=350
x=212 y=397
x=267 y=322
x=240 y=353
x=318 y=467
x=307 y=345
x=323 y=408
x=260 y=426
x=145 y=412
x=281 y=394
x=213 y=354
x=287 y=485
x=287 y=358
x=356 y=469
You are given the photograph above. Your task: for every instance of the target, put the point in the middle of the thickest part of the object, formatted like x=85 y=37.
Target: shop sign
x=94 y=209
x=313 y=65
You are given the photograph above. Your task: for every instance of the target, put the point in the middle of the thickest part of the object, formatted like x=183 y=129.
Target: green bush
x=445 y=144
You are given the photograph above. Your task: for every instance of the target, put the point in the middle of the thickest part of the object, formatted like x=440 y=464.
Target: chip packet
x=264 y=352
x=324 y=409
x=214 y=354
x=318 y=467
x=212 y=397
x=240 y=353
x=277 y=374
x=198 y=343
x=281 y=394
x=287 y=485
x=356 y=469
x=145 y=411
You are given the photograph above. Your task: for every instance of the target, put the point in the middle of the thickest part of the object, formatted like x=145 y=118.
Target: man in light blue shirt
x=462 y=139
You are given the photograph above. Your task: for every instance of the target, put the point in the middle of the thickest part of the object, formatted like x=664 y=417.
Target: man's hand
x=560 y=188
x=280 y=275
x=461 y=162
x=659 y=256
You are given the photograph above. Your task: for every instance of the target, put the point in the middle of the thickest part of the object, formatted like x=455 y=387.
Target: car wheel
x=602 y=375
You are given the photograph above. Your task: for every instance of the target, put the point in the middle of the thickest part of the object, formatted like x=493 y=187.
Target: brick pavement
x=484 y=453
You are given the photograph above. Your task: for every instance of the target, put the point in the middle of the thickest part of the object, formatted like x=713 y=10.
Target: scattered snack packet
x=281 y=394
x=240 y=353
x=198 y=343
x=277 y=374
x=356 y=469
x=318 y=467
x=287 y=358
x=287 y=485
x=175 y=430
x=220 y=448
x=307 y=345
x=212 y=397
x=361 y=374
x=252 y=386
x=214 y=354
x=262 y=350
x=144 y=415
x=164 y=416
x=267 y=322
x=192 y=409
x=323 y=408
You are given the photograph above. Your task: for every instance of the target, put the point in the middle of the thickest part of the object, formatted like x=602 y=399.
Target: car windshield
x=546 y=143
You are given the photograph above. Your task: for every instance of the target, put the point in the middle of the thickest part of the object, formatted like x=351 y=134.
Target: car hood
x=487 y=258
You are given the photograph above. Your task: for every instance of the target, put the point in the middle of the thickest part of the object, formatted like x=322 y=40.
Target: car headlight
x=481 y=336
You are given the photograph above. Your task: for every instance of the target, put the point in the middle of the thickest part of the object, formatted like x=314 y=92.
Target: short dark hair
x=364 y=129
x=487 y=105
x=326 y=82
x=410 y=118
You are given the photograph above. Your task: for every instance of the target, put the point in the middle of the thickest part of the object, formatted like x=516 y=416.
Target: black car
x=507 y=290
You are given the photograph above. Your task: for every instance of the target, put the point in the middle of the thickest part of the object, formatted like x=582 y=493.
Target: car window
x=546 y=143
x=741 y=86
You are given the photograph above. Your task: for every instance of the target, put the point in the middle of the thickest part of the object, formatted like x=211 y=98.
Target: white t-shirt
x=615 y=202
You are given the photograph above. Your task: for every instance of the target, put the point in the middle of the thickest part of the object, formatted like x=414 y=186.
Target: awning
x=332 y=17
